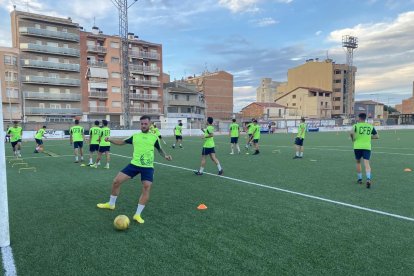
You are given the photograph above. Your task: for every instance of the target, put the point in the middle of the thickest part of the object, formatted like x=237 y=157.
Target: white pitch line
x=38 y=157
x=8 y=261
x=290 y=192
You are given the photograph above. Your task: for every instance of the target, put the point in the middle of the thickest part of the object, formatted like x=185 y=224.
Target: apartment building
x=267 y=90
x=325 y=75
x=217 y=88
x=308 y=102
x=182 y=100
x=407 y=105
x=49 y=66
x=374 y=110
x=265 y=111
x=9 y=78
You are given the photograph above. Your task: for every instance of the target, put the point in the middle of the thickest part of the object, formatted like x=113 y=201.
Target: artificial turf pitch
x=56 y=228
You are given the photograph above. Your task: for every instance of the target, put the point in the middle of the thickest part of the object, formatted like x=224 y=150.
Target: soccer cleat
x=35 y=151
x=105 y=206
x=106 y=166
x=138 y=218
x=247 y=153
x=231 y=152
x=19 y=155
x=359 y=181
x=368 y=183
x=220 y=172
x=76 y=161
x=296 y=157
x=256 y=152
x=198 y=173
x=173 y=146
x=181 y=147
x=90 y=164
x=94 y=166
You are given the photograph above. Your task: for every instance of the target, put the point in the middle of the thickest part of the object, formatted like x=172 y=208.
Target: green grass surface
x=56 y=228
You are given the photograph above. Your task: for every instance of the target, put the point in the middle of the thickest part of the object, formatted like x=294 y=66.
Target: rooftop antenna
x=349 y=43
x=94 y=22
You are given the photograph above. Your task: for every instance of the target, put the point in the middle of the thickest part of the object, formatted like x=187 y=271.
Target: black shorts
x=93 y=147
x=104 y=149
x=39 y=141
x=13 y=144
x=178 y=137
x=255 y=141
x=160 y=137
x=250 y=135
x=132 y=171
x=77 y=145
x=234 y=140
x=207 y=151
x=299 y=141
x=361 y=153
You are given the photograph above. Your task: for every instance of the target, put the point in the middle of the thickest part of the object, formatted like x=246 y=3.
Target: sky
x=253 y=39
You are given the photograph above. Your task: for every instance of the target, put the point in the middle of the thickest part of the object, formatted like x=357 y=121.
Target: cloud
x=243 y=6
x=264 y=22
x=318 y=33
x=243 y=95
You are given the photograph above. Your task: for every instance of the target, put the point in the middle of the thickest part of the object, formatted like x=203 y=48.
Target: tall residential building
x=9 y=78
x=217 y=88
x=407 y=105
x=267 y=90
x=49 y=66
x=327 y=76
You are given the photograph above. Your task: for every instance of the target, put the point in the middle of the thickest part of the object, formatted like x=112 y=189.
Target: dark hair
x=234 y=120
x=362 y=116
x=96 y=123
x=210 y=120
x=180 y=124
x=15 y=122
x=44 y=126
x=302 y=119
x=105 y=122
x=254 y=121
x=76 y=122
x=145 y=117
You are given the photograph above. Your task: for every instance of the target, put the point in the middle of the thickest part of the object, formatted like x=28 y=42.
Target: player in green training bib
x=16 y=133
x=157 y=132
x=256 y=136
x=142 y=163
x=208 y=148
x=39 y=140
x=234 y=133
x=178 y=132
x=77 y=137
x=104 y=145
x=249 y=130
x=94 y=135
x=300 y=137
x=361 y=135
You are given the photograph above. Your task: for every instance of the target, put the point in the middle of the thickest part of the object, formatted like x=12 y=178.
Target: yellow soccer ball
x=121 y=222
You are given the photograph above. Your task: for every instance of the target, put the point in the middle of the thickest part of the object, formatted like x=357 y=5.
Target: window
x=55 y=106
x=337 y=99
x=294 y=104
x=42 y=105
x=52 y=44
x=68 y=106
x=326 y=104
x=114 y=60
x=116 y=104
x=327 y=95
x=53 y=75
x=337 y=90
x=114 y=44
x=116 y=89
x=338 y=81
x=90 y=42
x=337 y=107
x=51 y=28
x=115 y=75
x=65 y=45
x=175 y=96
x=321 y=103
x=64 y=30
x=37 y=26
x=293 y=96
x=7 y=60
x=337 y=72
x=10 y=76
x=12 y=93
x=188 y=98
x=67 y=91
x=320 y=94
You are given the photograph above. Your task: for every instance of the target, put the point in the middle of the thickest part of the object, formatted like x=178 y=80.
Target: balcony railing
x=98 y=94
x=52 y=96
x=52 y=111
x=49 y=34
x=51 y=81
x=31 y=47
x=147 y=70
x=97 y=64
x=50 y=65
x=141 y=110
x=96 y=49
x=185 y=115
x=144 y=83
x=143 y=54
x=98 y=109
x=144 y=97
x=188 y=103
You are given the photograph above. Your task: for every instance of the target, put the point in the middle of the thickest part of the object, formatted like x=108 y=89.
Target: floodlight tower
x=349 y=43
x=122 y=6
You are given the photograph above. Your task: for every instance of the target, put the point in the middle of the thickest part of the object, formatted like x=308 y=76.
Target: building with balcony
x=265 y=111
x=10 y=85
x=266 y=92
x=182 y=100
x=325 y=75
x=49 y=66
x=217 y=88
x=374 y=110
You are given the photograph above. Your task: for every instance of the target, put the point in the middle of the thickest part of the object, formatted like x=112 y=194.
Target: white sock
x=107 y=164
x=90 y=161
x=219 y=166
x=37 y=148
x=297 y=153
x=238 y=148
x=139 y=209
x=82 y=158
x=181 y=145
x=201 y=169
x=112 y=200
x=301 y=154
x=76 y=158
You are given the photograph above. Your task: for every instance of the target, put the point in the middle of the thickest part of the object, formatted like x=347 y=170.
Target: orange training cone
x=202 y=207
x=408 y=170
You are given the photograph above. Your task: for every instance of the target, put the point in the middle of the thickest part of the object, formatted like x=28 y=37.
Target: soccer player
x=250 y=130
x=104 y=145
x=300 y=137
x=234 y=136
x=94 y=135
x=142 y=163
x=76 y=137
x=157 y=132
x=178 y=131
x=39 y=140
x=16 y=133
x=208 y=148
x=361 y=136
x=256 y=136
x=7 y=137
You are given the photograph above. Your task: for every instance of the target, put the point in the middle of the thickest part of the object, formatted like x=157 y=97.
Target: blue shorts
x=255 y=141
x=178 y=137
x=360 y=153
x=104 y=149
x=299 y=141
x=39 y=141
x=77 y=145
x=207 y=151
x=132 y=171
x=234 y=140
x=93 y=147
